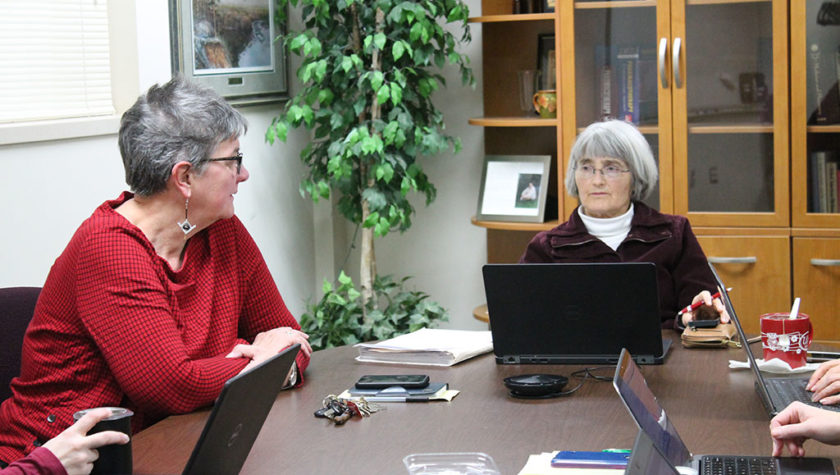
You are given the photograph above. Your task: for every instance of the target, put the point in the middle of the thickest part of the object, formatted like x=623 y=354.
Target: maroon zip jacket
x=666 y=240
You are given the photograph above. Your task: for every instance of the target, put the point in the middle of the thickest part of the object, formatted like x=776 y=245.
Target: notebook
x=574 y=313
x=238 y=416
x=776 y=392
x=651 y=418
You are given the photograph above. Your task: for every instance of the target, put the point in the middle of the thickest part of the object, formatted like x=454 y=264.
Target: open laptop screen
x=648 y=414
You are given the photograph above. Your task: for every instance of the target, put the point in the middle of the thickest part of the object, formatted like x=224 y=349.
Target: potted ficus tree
x=369 y=70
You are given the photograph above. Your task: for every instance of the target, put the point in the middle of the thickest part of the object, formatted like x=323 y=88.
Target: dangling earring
x=185 y=225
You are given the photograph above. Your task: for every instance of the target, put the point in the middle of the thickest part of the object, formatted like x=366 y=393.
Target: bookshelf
x=727 y=117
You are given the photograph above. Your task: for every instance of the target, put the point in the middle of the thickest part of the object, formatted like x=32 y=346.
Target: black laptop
x=651 y=418
x=238 y=416
x=776 y=393
x=574 y=313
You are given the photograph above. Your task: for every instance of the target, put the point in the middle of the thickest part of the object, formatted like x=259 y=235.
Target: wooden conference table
x=715 y=410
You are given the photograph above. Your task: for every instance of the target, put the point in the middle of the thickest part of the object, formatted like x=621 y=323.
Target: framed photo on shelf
x=514 y=188
x=229 y=45
x=546 y=61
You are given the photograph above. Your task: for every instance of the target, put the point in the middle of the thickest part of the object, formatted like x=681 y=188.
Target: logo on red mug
x=786 y=338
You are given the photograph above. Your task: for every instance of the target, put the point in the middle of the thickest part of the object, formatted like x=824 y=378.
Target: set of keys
x=340 y=410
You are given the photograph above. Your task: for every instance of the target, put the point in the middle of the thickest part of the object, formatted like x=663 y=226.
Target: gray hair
x=178 y=121
x=615 y=139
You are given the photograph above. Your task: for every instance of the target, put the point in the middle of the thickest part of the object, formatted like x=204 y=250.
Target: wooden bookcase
x=723 y=92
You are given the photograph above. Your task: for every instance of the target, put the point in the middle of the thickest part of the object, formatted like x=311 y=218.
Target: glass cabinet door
x=614 y=66
x=729 y=86
x=815 y=126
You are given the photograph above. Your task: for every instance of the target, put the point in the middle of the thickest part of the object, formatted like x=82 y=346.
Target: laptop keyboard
x=734 y=465
x=788 y=390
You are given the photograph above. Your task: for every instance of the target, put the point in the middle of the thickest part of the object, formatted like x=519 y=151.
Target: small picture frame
x=230 y=46
x=514 y=188
x=547 y=61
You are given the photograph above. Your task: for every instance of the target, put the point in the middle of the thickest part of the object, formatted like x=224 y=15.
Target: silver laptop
x=574 y=313
x=238 y=416
x=651 y=418
x=776 y=393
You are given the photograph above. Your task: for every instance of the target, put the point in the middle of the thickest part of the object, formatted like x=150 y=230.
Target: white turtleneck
x=610 y=230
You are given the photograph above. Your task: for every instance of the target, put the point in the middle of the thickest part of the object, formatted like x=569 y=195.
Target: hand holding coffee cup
x=113 y=459
x=786 y=338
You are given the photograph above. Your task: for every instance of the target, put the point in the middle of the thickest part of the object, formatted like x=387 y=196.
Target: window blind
x=54 y=60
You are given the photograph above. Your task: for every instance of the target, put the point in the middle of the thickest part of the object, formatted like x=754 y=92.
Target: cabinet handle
x=663 y=50
x=675 y=62
x=733 y=260
x=825 y=262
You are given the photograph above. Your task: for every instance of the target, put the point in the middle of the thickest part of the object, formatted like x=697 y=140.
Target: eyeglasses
x=610 y=172
x=237 y=157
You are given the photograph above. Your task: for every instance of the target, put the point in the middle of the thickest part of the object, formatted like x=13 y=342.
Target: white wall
x=48 y=188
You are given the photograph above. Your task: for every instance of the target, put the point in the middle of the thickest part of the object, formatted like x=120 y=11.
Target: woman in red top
x=161 y=295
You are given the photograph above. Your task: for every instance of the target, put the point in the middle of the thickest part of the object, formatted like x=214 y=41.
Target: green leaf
x=383 y=94
x=344 y=279
x=397 y=50
x=372 y=219
x=376 y=80
x=396 y=94
x=346 y=64
x=379 y=40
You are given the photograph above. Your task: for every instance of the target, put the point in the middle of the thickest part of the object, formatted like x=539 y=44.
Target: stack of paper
x=428 y=347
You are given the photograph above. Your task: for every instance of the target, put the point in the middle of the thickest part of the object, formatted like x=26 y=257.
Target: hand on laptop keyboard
x=799 y=422
x=825 y=383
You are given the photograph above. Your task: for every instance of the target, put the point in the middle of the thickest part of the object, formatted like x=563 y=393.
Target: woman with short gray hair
x=161 y=295
x=611 y=170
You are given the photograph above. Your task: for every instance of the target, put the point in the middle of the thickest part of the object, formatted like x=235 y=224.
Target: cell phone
x=703 y=323
x=379 y=381
x=584 y=459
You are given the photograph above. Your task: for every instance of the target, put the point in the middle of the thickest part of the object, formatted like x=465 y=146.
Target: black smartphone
x=377 y=381
x=703 y=323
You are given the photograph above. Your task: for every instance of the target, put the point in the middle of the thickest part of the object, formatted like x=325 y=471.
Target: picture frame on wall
x=514 y=188
x=230 y=46
x=547 y=61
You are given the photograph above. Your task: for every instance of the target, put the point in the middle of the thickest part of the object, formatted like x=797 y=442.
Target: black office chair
x=17 y=305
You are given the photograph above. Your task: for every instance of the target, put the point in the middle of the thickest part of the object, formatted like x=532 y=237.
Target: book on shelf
x=604 y=78
x=627 y=67
x=436 y=347
x=823 y=182
x=822 y=87
x=625 y=83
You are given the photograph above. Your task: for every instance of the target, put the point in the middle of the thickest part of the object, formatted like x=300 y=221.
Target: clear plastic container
x=452 y=463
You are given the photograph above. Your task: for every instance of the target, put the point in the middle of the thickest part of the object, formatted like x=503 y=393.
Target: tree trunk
x=367 y=267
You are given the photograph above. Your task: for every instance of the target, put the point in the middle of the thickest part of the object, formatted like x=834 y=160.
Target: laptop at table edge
x=786 y=465
x=760 y=384
x=656 y=340
x=238 y=416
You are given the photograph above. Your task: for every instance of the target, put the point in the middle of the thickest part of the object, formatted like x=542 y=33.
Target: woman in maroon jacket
x=611 y=170
x=161 y=295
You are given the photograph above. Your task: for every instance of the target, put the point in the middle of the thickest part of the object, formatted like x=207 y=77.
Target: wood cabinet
x=756 y=265
x=725 y=91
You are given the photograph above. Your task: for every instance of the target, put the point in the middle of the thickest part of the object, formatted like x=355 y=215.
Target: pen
x=697 y=304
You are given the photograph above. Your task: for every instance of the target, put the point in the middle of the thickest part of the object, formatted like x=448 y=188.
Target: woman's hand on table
x=269 y=343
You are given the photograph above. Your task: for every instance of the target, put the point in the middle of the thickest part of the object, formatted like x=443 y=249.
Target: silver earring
x=185 y=225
